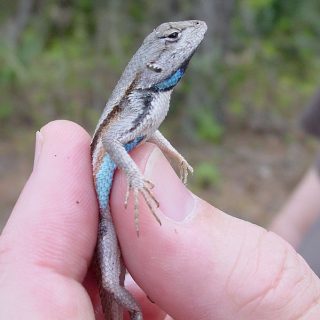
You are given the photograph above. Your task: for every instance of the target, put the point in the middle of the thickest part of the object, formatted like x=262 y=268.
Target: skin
x=200 y=264
x=300 y=211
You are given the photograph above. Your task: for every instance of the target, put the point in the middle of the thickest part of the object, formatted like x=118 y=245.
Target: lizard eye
x=174 y=36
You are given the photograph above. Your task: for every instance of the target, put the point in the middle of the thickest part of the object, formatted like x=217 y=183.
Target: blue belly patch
x=104 y=176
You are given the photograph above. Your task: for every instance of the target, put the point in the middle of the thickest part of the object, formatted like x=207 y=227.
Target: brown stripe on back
x=105 y=123
x=100 y=155
x=113 y=114
x=110 y=118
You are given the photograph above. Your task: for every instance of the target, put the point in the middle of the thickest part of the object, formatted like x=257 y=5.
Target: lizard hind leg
x=114 y=296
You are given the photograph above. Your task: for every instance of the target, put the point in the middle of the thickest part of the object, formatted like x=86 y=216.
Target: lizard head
x=165 y=53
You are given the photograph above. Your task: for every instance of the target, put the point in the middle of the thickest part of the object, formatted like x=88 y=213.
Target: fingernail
x=176 y=201
x=38 y=148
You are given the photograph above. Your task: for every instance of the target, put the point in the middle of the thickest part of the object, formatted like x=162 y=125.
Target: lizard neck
x=170 y=82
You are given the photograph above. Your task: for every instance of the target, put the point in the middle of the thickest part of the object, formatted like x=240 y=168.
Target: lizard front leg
x=170 y=152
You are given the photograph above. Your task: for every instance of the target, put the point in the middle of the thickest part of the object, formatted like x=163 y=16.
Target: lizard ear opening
x=154 y=67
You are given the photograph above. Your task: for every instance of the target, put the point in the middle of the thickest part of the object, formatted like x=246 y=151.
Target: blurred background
x=235 y=115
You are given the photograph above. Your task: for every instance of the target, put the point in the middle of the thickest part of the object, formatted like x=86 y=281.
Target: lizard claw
x=147 y=195
x=144 y=188
x=151 y=185
x=184 y=170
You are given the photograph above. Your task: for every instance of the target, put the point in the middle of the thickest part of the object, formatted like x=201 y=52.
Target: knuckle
x=312 y=309
x=6 y=250
x=269 y=283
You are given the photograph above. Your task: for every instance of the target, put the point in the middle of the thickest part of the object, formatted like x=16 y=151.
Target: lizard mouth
x=185 y=64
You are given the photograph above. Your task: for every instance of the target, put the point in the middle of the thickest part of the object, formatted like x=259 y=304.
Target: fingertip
x=54 y=222
x=66 y=129
x=171 y=193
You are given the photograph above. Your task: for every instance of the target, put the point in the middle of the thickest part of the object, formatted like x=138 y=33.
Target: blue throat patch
x=104 y=177
x=170 y=82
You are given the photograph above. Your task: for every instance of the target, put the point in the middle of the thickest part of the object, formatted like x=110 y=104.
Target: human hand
x=200 y=264
x=300 y=211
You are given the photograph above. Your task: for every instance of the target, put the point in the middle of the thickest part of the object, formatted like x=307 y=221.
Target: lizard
x=136 y=108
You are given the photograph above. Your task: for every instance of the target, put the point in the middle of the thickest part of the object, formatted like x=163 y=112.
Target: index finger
x=48 y=242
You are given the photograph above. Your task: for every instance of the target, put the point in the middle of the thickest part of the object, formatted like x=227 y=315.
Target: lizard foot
x=184 y=170
x=143 y=187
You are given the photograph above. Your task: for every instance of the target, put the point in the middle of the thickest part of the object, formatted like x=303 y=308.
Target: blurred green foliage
x=61 y=59
x=207 y=176
x=208 y=128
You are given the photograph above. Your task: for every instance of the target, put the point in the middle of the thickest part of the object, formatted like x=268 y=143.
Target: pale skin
x=200 y=264
x=300 y=211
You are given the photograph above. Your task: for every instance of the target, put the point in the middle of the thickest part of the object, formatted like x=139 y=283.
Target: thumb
x=204 y=264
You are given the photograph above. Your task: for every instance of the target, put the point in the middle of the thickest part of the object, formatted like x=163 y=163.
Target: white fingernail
x=38 y=148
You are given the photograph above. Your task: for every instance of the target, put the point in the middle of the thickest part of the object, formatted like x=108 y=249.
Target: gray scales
x=136 y=108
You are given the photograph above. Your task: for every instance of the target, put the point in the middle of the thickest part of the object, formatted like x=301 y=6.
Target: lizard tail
x=111 y=309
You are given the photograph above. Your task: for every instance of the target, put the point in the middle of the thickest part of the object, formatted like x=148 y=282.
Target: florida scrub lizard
x=132 y=115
